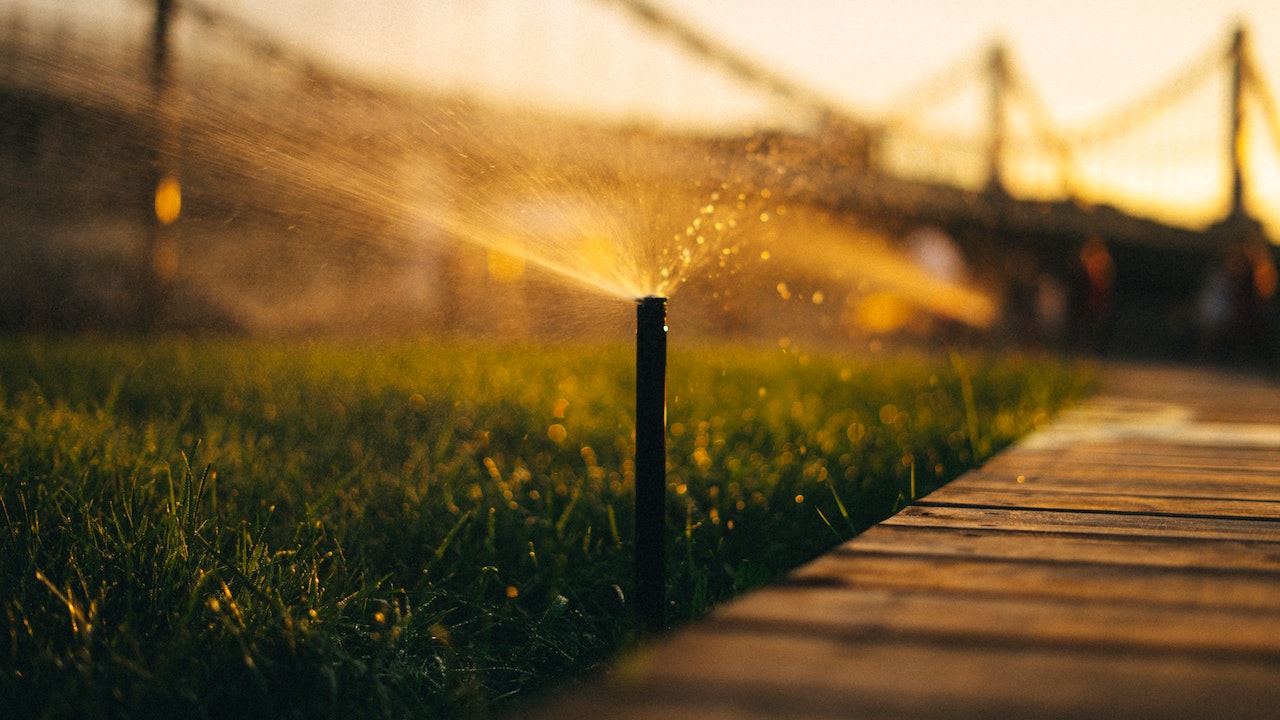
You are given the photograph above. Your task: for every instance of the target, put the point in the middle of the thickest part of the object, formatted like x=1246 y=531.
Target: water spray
x=651 y=462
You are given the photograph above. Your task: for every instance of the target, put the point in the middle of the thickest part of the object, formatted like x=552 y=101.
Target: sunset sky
x=1084 y=58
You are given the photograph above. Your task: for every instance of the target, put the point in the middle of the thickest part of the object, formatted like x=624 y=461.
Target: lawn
x=437 y=528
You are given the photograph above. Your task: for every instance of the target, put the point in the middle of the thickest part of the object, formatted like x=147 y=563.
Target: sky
x=1084 y=58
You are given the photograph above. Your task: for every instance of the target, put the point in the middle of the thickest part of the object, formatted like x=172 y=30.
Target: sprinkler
x=651 y=462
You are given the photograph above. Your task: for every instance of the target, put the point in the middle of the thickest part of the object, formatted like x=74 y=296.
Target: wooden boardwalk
x=1122 y=563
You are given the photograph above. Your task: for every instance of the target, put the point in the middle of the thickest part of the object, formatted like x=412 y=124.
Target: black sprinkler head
x=651 y=462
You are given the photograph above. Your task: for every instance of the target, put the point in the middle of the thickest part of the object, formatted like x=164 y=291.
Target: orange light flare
x=895 y=283
x=168 y=206
x=1265 y=276
x=168 y=200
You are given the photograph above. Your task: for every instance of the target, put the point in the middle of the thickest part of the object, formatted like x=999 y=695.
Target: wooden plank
x=1021 y=496
x=1129 y=456
x=1088 y=523
x=1172 y=484
x=1191 y=554
x=724 y=670
x=1121 y=483
x=993 y=619
x=855 y=568
x=1230 y=410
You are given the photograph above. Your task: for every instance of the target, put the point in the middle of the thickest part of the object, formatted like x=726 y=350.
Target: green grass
x=435 y=529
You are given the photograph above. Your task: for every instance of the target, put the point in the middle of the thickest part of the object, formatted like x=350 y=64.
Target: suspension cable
x=1047 y=132
x=1164 y=96
x=1262 y=89
x=736 y=63
x=936 y=88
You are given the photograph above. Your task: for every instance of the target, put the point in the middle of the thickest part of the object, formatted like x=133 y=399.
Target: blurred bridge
x=1021 y=198
x=245 y=115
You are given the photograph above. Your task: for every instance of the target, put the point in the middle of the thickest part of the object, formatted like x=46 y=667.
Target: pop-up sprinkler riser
x=651 y=462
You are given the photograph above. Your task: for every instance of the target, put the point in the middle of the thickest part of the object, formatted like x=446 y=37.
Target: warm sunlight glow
x=882 y=313
x=503 y=267
x=893 y=283
x=168 y=199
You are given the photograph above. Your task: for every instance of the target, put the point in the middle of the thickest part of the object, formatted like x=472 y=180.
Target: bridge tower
x=163 y=193
x=1247 y=256
x=1237 y=56
x=998 y=80
x=1239 y=226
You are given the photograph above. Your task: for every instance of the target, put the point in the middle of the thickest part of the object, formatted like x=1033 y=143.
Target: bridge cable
x=1164 y=96
x=737 y=64
x=902 y=124
x=936 y=88
x=1262 y=90
x=1047 y=132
